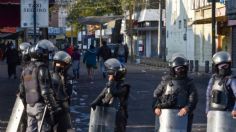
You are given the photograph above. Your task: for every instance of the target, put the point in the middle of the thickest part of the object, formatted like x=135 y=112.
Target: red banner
x=8 y=30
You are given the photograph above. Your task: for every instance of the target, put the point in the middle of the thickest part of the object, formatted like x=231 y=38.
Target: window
x=185 y=23
x=180 y=23
x=152 y=4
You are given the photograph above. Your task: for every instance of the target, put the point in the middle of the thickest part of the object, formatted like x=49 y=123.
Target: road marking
x=132 y=97
x=3 y=122
x=195 y=125
x=140 y=126
x=143 y=92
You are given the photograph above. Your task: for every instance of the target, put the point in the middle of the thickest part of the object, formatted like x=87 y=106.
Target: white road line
x=152 y=126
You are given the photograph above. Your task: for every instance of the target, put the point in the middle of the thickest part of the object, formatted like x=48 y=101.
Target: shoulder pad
x=43 y=72
x=126 y=85
x=190 y=78
x=166 y=78
x=40 y=64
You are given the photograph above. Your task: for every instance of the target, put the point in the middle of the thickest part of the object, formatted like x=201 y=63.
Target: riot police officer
x=221 y=93
x=176 y=91
x=115 y=94
x=61 y=63
x=37 y=89
x=25 y=59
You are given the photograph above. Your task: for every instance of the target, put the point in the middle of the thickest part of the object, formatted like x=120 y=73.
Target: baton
x=42 y=120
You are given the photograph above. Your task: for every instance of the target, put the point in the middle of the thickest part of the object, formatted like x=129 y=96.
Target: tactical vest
x=31 y=84
x=115 y=101
x=221 y=95
x=176 y=93
x=59 y=87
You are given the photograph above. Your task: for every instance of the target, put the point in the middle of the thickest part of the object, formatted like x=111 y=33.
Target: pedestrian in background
x=90 y=61
x=105 y=53
x=76 y=62
x=122 y=52
x=70 y=49
x=12 y=58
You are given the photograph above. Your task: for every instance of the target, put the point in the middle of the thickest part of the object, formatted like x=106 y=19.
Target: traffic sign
x=27 y=13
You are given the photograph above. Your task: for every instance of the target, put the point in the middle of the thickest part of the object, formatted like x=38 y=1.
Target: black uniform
x=63 y=120
x=116 y=93
x=182 y=94
x=37 y=89
x=38 y=93
x=177 y=90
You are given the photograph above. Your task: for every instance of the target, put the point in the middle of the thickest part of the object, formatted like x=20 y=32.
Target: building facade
x=231 y=12
x=203 y=30
x=179 y=31
x=145 y=28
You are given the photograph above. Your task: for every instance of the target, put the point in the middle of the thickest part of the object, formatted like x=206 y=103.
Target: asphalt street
x=143 y=81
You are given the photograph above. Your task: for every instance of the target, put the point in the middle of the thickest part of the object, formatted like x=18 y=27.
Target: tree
x=85 y=8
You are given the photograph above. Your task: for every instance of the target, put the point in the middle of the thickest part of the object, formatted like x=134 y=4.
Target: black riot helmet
x=115 y=68
x=41 y=50
x=222 y=63
x=24 y=49
x=61 y=61
x=178 y=65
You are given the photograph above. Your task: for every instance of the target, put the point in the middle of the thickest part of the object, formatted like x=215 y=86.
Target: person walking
x=122 y=52
x=70 y=49
x=76 y=62
x=13 y=59
x=90 y=61
x=105 y=53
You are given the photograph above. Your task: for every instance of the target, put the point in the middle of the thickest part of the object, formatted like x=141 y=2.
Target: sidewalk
x=8 y=89
x=158 y=63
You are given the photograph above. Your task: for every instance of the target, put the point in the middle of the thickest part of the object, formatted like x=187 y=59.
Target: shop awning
x=10 y=32
x=93 y=20
x=3 y=35
x=208 y=20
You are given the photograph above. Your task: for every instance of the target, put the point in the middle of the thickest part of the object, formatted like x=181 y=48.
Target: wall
x=203 y=42
x=179 y=31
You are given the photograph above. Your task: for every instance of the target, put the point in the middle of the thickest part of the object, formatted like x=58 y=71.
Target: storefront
x=231 y=12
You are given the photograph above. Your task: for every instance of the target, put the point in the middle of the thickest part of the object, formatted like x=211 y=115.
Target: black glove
x=107 y=98
x=93 y=106
x=54 y=114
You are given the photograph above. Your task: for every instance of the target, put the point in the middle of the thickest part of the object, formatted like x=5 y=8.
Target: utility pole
x=35 y=24
x=100 y=38
x=72 y=35
x=213 y=27
x=159 y=45
x=131 y=29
